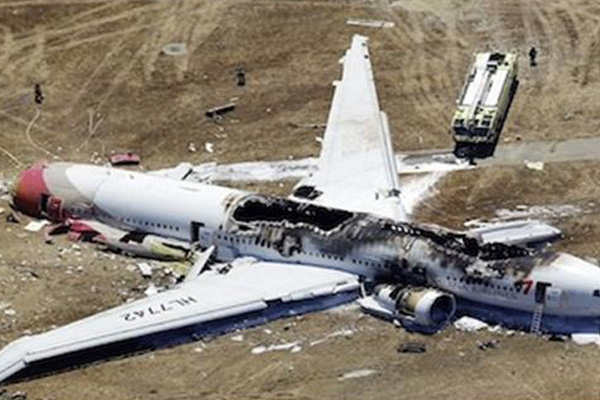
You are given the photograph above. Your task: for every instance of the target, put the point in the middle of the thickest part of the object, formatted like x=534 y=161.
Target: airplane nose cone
x=27 y=195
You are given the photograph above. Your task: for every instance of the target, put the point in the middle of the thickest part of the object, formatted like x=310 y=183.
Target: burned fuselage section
x=283 y=229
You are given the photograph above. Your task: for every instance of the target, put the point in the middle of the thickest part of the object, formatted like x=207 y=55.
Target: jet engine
x=417 y=307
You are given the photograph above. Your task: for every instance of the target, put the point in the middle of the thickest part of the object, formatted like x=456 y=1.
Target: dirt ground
x=108 y=87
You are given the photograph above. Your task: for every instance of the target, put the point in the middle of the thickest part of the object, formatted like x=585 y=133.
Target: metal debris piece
x=487 y=345
x=128 y=158
x=36 y=226
x=370 y=23
x=217 y=112
x=145 y=269
x=152 y=290
x=412 y=348
x=535 y=165
x=13 y=217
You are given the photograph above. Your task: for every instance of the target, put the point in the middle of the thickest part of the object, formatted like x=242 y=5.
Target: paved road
x=583 y=149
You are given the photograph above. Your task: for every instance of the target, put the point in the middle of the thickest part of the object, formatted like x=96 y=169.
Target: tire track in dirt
x=8 y=50
x=109 y=59
x=70 y=33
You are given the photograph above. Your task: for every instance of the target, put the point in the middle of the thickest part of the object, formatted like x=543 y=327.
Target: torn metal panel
x=517 y=233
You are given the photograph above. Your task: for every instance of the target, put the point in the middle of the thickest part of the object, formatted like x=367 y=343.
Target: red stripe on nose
x=30 y=187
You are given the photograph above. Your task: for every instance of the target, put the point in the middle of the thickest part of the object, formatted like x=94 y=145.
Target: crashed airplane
x=342 y=236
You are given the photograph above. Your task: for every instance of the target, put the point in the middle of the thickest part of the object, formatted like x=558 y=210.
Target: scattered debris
x=36 y=226
x=468 y=324
x=152 y=290
x=488 y=344
x=342 y=332
x=145 y=269
x=5 y=395
x=237 y=338
x=359 y=373
x=370 y=23
x=127 y=158
x=4 y=187
x=293 y=347
x=13 y=217
x=209 y=147
x=412 y=348
x=192 y=147
x=558 y=338
x=217 y=112
x=535 y=165
x=10 y=312
x=315 y=126
x=175 y=49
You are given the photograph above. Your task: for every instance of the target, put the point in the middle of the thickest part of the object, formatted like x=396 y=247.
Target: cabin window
x=596 y=293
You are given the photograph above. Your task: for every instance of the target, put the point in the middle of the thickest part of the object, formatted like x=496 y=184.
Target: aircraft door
x=540 y=292
x=200 y=235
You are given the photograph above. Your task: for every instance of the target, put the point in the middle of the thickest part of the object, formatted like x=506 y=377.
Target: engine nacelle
x=426 y=307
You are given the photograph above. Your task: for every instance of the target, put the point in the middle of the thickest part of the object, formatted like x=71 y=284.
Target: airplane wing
x=356 y=169
x=238 y=295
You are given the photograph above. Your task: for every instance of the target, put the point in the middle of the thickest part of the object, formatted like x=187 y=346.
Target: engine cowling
x=422 y=306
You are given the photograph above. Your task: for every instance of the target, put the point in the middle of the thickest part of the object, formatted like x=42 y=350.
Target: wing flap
x=250 y=293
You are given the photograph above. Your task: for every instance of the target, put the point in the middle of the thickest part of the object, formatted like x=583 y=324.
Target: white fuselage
x=199 y=212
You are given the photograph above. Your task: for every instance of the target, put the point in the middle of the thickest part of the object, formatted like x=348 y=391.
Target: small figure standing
x=532 y=56
x=39 y=96
x=241 y=75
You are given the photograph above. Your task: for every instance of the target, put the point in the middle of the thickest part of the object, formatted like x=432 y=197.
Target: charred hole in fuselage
x=279 y=210
x=461 y=243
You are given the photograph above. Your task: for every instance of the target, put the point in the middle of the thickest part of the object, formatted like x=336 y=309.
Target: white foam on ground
x=359 y=373
x=539 y=212
x=341 y=332
x=586 y=338
x=269 y=171
x=255 y=170
x=418 y=189
x=293 y=347
x=468 y=324
x=412 y=192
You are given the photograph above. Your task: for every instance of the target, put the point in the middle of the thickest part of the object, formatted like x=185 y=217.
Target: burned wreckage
x=264 y=258
x=402 y=261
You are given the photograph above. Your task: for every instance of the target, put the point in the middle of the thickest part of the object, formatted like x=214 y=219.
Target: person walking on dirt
x=39 y=96
x=241 y=76
x=532 y=56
